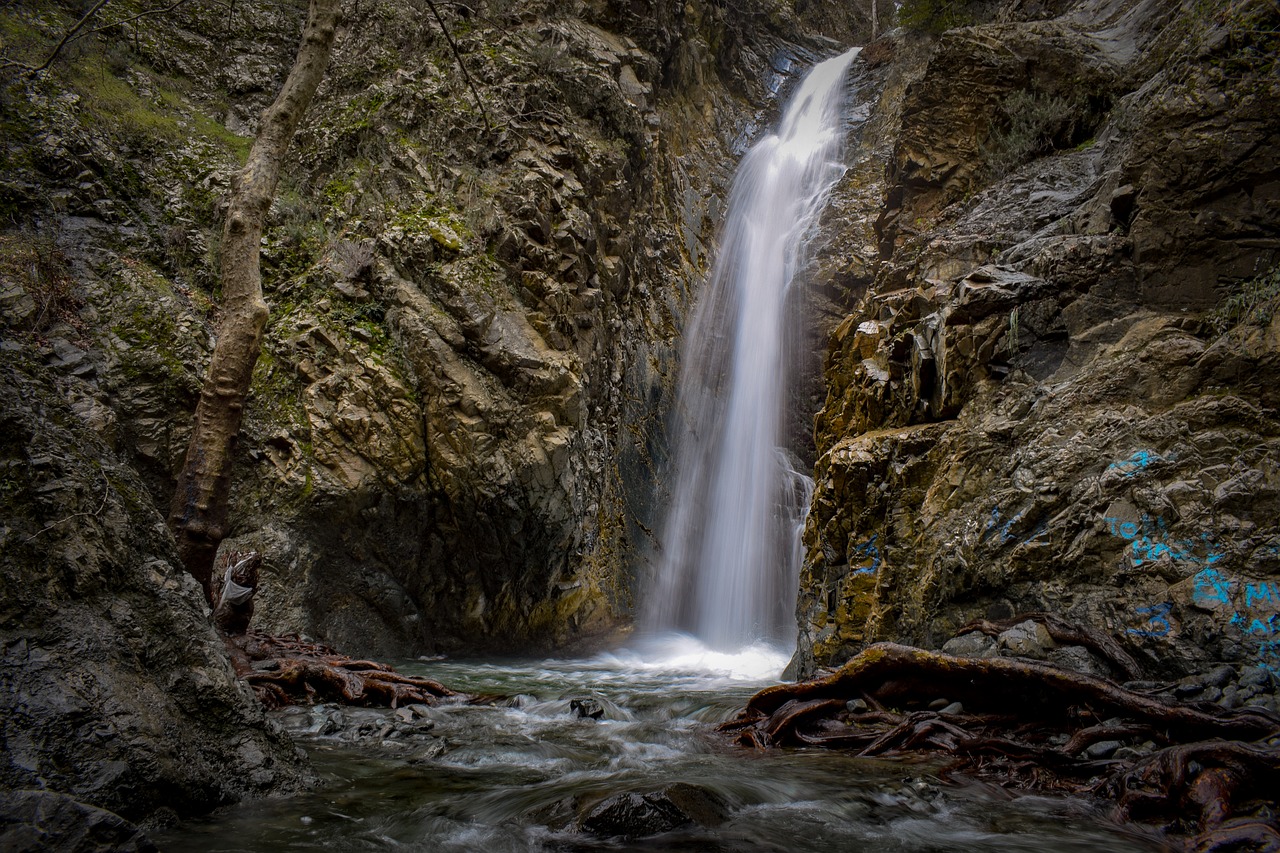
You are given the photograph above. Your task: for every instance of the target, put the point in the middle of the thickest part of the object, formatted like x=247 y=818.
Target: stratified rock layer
x=1050 y=397
x=457 y=425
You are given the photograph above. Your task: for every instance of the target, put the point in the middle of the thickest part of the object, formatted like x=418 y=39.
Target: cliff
x=1058 y=391
x=456 y=427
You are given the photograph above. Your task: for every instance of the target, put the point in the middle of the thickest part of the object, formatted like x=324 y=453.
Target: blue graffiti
x=869 y=551
x=993 y=523
x=1261 y=593
x=1212 y=588
x=1134 y=464
x=1157 y=620
x=1149 y=542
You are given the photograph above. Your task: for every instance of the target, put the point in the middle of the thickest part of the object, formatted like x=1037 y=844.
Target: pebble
x=953 y=708
x=1102 y=749
x=856 y=706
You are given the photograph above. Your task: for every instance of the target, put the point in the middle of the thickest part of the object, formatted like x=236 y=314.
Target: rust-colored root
x=1065 y=633
x=1212 y=778
x=302 y=672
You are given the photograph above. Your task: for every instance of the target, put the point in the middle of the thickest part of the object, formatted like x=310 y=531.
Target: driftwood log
x=289 y=670
x=1211 y=782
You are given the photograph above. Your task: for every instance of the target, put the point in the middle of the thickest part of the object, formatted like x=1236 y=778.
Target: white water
x=489 y=777
x=731 y=554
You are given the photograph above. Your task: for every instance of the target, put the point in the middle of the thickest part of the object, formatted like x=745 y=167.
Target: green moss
x=275 y=396
x=1254 y=303
x=937 y=16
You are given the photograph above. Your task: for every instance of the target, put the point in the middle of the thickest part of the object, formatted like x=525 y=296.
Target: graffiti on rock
x=870 y=555
x=994 y=523
x=1135 y=464
x=1254 y=609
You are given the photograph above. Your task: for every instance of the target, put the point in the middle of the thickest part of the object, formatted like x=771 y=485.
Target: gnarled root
x=1212 y=776
x=289 y=670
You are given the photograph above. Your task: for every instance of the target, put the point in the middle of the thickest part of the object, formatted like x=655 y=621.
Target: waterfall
x=730 y=557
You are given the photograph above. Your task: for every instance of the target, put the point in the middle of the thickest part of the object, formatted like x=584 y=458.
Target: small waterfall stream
x=731 y=553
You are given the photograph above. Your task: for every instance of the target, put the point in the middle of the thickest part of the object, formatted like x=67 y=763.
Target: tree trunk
x=198 y=516
x=875 y=21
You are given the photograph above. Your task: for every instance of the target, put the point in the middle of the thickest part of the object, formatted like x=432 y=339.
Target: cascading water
x=731 y=553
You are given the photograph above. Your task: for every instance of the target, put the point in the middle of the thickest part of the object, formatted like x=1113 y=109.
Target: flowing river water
x=498 y=777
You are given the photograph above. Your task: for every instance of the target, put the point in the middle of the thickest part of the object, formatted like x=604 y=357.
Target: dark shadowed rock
x=45 y=822
x=114 y=688
x=634 y=815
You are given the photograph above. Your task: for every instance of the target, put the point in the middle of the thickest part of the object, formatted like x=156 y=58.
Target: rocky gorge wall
x=455 y=435
x=456 y=429
x=1058 y=392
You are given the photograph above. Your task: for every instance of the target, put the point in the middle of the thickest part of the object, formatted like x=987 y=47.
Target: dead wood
x=1066 y=633
x=291 y=671
x=1210 y=780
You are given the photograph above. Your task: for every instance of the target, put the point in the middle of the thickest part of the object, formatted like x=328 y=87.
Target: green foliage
x=937 y=16
x=1254 y=303
x=1034 y=124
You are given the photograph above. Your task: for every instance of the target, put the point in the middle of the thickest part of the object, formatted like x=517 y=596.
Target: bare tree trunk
x=198 y=516
x=875 y=21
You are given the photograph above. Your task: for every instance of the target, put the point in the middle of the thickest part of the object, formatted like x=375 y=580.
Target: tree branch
x=66 y=37
x=457 y=54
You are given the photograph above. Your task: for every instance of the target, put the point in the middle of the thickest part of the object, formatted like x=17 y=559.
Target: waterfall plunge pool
x=489 y=778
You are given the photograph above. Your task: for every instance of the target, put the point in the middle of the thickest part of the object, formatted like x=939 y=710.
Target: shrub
x=1254 y=302
x=1034 y=124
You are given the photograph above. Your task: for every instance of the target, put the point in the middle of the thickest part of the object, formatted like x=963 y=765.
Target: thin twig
x=67 y=36
x=457 y=54
x=148 y=13
x=106 y=493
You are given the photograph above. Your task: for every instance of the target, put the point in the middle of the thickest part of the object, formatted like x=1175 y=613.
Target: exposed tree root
x=289 y=670
x=1212 y=778
x=1067 y=634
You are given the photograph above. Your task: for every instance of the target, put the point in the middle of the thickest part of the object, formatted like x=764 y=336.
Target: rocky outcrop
x=1058 y=392
x=116 y=690
x=457 y=427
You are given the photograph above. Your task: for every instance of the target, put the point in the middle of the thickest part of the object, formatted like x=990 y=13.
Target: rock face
x=115 y=689
x=1059 y=390
x=457 y=424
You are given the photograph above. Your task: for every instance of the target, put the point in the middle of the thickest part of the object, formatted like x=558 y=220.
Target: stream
x=458 y=777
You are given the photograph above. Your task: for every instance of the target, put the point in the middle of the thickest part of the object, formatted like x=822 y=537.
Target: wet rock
x=953 y=708
x=971 y=645
x=114 y=688
x=1079 y=659
x=635 y=815
x=1027 y=639
x=586 y=709
x=37 y=821
x=1102 y=749
x=1219 y=676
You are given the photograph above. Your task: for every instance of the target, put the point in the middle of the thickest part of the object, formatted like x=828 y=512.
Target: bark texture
x=1199 y=774
x=198 y=516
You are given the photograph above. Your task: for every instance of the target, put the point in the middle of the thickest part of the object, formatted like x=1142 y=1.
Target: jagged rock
x=1028 y=639
x=1026 y=412
x=39 y=821
x=114 y=688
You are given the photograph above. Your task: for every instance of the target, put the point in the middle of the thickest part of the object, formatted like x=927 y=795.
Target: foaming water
x=683 y=653
x=514 y=776
x=730 y=554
